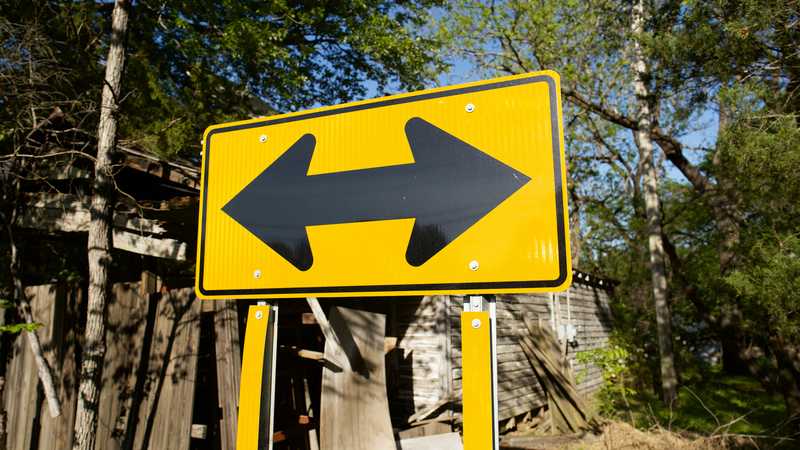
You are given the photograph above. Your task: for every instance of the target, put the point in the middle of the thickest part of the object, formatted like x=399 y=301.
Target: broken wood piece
x=510 y=424
x=304 y=423
x=440 y=419
x=424 y=413
x=320 y=358
x=354 y=405
x=389 y=344
x=446 y=441
x=199 y=431
x=312 y=355
x=308 y=319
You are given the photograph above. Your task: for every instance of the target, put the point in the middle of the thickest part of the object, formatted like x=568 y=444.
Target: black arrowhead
x=448 y=188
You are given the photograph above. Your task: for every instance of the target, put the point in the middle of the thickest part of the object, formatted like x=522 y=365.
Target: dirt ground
x=621 y=436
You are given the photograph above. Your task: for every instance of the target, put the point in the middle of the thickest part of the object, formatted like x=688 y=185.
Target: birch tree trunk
x=99 y=242
x=669 y=380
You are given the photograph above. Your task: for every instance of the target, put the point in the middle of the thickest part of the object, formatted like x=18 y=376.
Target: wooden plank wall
x=126 y=331
x=429 y=330
x=420 y=326
x=591 y=313
x=24 y=400
x=148 y=376
x=165 y=414
x=518 y=389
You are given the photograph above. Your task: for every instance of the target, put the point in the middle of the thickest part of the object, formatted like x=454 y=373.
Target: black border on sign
x=413 y=288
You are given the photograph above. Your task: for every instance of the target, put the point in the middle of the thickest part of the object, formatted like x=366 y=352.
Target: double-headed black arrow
x=448 y=188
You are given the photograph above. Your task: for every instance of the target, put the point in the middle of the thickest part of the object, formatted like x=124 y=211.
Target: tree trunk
x=3 y=361
x=787 y=357
x=669 y=379
x=732 y=362
x=575 y=235
x=99 y=242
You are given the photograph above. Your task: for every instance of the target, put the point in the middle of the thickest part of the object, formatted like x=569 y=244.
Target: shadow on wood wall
x=149 y=373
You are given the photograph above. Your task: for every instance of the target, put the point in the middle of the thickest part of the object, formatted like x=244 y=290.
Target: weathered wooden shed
x=171 y=372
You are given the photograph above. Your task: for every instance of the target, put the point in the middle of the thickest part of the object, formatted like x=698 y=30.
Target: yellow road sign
x=451 y=190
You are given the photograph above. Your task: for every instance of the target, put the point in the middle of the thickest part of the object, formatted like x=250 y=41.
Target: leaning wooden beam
x=324 y=325
x=21 y=299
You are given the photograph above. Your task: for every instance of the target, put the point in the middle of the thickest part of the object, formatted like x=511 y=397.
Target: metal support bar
x=257 y=387
x=479 y=372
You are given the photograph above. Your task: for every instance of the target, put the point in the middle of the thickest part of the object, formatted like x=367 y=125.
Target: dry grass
x=622 y=436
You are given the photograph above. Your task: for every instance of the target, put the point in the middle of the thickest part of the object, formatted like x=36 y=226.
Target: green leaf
x=19 y=327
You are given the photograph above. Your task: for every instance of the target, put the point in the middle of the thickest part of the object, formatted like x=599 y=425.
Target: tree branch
x=671 y=147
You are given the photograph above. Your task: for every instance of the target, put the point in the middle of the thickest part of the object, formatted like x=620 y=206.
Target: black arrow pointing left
x=450 y=186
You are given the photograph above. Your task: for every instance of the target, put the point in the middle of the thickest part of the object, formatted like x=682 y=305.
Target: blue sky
x=703 y=132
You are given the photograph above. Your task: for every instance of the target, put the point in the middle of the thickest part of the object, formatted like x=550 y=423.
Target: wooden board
x=447 y=441
x=165 y=419
x=229 y=366
x=21 y=379
x=354 y=406
x=61 y=343
x=127 y=324
x=29 y=421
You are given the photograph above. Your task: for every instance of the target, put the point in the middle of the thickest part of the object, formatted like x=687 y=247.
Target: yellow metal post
x=478 y=381
x=257 y=387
